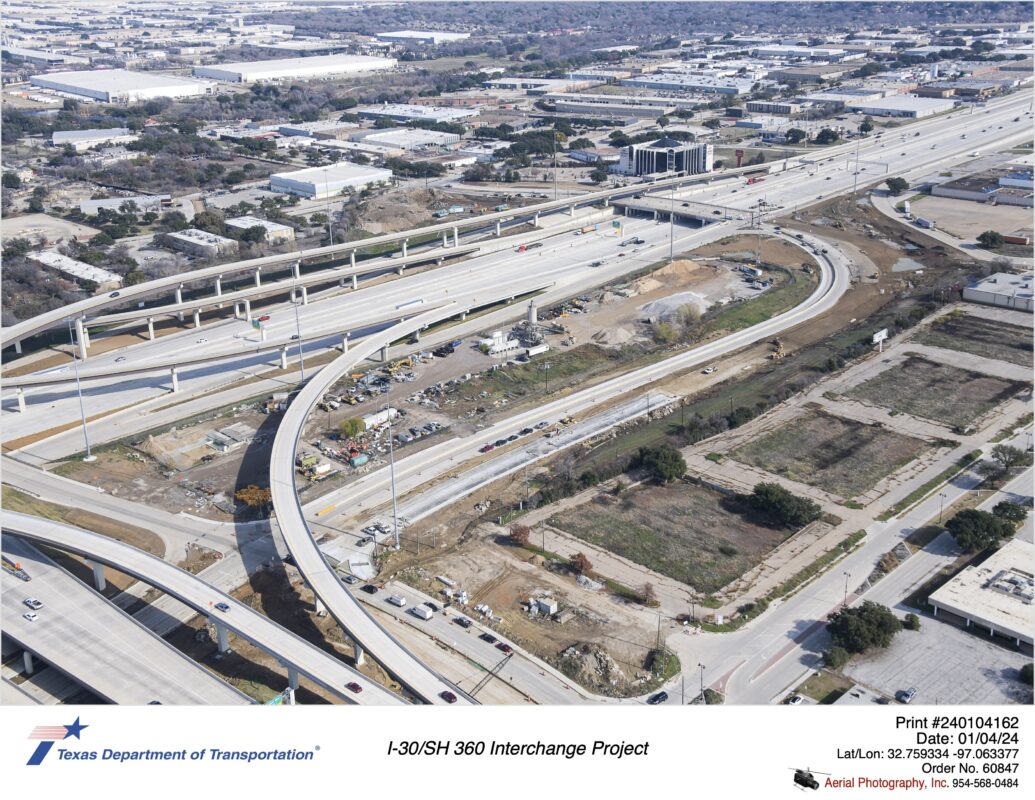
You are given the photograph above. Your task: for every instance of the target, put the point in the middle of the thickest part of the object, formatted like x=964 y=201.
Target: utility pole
x=298 y=333
x=672 y=226
x=941 y=506
x=79 y=390
x=847 y=576
x=702 y=681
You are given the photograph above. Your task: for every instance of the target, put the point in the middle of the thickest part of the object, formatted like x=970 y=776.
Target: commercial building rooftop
x=281 y=68
x=77 y=269
x=998 y=594
x=113 y=85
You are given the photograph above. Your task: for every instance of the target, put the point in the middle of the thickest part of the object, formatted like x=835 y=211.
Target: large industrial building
x=679 y=82
x=102 y=279
x=291 y=68
x=903 y=105
x=276 y=233
x=319 y=183
x=1004 y=290
x=997 y=595
x=119 y=85
x=84 y=140
x=201 y=243
x=666 y=155
x=43 y=57
x=422 y=37
x=405 y=112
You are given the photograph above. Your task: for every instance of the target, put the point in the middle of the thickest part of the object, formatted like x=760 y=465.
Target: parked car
x=463 y=622
x=906 y=695
x=655 y=699
x=708 y=370
x=796 y=700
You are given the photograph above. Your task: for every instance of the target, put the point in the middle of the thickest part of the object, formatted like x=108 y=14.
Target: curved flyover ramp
x=368 y=634
x=320 y=667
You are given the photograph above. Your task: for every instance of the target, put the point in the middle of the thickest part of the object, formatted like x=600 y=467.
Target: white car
x=708 y=370
x=33 y=603
x=32 y=616
x=202 y=340
x=796 y=700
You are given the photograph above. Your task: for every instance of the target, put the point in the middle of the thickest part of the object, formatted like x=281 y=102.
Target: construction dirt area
x=408 y=208
x=988 y=338
x=603 y=641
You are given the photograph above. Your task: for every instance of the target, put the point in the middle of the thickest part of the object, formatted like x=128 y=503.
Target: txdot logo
x=47 y=735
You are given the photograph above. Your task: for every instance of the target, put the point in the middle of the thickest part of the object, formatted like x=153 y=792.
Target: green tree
x=253 y=496
x=1007 y=457
x=826 y=136
x=836 y=657
x=866 y=126
x=912 y=622
x=351 y=428
x=662 y=121
x=174 y=221
x=1025 y=673
x=976 y=530
x=598 y=174
x=211 y=221
x=990 y=240
x=254 y=234
x=897 y=185
x=859 y=628
x=783 y=506
x=712 y=123
x=665 y=463
x=1011 y=512
x=11 y=181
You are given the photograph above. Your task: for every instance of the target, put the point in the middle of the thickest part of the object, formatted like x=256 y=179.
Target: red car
x=486 y=448
x=506 y=648
x=264 y=318
x=449 y=697
x=354 y=687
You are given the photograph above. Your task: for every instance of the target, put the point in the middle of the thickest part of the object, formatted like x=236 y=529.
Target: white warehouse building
x=319 y=183
x=290 y=68
x=902 y=105
x=119 y=85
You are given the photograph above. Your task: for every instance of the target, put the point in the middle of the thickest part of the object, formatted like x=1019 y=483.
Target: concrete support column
x=405 y=242
x=237 y=310
x=456 y=236
x=292 y=677
x=222 y=636
x=175 y=379
x=655 y=216
x=352 y=258
x=248 y=310
x=296 y=270
x=445 y=239
x=416 y=335
x=355 y=282
x=499 y=228
x=86 y=336
x=21 y=399
x=27 y=662
x=607 y=202
x=305 y=296
x=80 y=337
x=360 y=656
x=399 y=270
x=571 y=210
x=345 y=343
x=320 y=608
x=179 y=299
x=283 y=357
x=258 y=278
x=341 y=282
x=292 y=294
x=535 y=219
x=463 y=315
x=151 y=328
x=100 y=584
x=384 y=353
x=438 y=262
x=197 y=317
x=219 y=285
x=18 y=347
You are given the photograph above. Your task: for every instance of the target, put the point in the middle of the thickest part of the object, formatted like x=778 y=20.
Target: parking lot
x=946 y=665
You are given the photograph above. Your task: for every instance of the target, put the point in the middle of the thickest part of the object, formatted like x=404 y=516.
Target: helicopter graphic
x=805 y=778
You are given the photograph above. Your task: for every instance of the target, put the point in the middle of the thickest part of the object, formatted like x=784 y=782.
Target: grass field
x=937 y=392
x=838 y=455
x=981 y=337
x=682 y=531
x=795 y=288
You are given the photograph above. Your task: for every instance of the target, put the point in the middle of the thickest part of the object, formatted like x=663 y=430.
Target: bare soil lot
x=981 y=337
x=838 y=455
x=684 y=531
x=937 y=392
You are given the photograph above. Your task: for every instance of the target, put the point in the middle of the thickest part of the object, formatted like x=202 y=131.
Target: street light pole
x=941 y=505
x=702 y=682
x=847 y=575
x=298 y=332
x=391 y=472
x=672 y=226
x=79 y=390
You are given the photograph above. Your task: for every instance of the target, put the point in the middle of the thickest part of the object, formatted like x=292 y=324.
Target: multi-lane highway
x=239 y=618
x=80 y=633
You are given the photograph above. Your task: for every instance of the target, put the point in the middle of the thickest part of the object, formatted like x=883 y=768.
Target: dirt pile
x=678 y=269
x=613 y=337
x=593 y=667
x=645 y=285
x=399 y=211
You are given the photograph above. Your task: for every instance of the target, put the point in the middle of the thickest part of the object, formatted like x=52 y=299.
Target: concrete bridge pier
x=456 y=236
x=248 y=310
x=151 y=328
x=535 y=219
x=296 y=270
x=445 y=239
x=321 y=609
x=222 y=636
x=305 y=295
x=384 y=353
x=463 y=315
x=355 y=282
x=258 y=278
x=28 y=662
x=405 y=243
x=175 y=379
x=352 y=258
x=499 y=228
x=359 y=655
x=21 y=399
x=197 y=317
x=179 y=299
x=18 y=347
x=98 y=575
x=283 y=357
x=571 y=210
x=345 y=343
x=80 y=337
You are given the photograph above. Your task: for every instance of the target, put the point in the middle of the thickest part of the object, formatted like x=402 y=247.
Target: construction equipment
x=490 y=674
x=779 y=352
